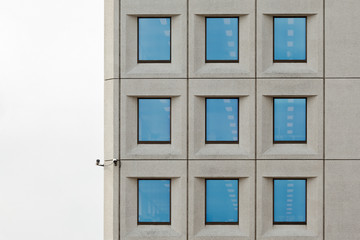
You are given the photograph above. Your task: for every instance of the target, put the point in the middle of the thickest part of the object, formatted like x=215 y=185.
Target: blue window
x=154 y=39
x=153 y=120
x=289 y=201
x=290 y=39
x=222 y=201
x=290 y=120
x=222 y=120
x=154 y=201
x=222 y=39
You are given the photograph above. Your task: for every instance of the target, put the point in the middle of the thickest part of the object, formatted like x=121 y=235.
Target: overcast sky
x=51 y=119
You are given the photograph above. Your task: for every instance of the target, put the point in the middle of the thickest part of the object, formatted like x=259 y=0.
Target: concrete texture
x=269 y=169
x=313 y=10
x=310 y=88
x=199 y=89
x=130 y=172
x=330 y=160
x=244 y=170
x=198 y=10
x=131 y=89
x=130 y=10
x=342 y=194
x=342 y=125
x=111 y=151
x=112 y=39
x=342 y=49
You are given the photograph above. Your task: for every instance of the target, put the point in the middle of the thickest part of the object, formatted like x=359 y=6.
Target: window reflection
x=289 y=38
x=154 y=201
x=222 y=119
x=222 y=39
x=289 y=119
x=154 y=39
x=221 y=201
x=289 y=201
x=154 y=120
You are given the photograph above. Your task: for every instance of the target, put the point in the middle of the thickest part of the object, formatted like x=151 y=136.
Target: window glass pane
x=222 y=38
x=221 y=201
x=154 y=201
x=289 y=201
x=154 y=39
x=154 y=120
x=289 y=119
x=290 y=38
x=222 y=119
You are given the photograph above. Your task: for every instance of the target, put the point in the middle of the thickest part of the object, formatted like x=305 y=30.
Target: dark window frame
x=306 y=43
x=238 y=42
x=138 y=122
x=222 y=223
x=306 y=116
x=289 y=223
x=138 y=37
x=152 y=223
x=222 y=142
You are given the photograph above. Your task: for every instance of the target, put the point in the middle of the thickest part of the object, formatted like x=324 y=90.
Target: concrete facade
x=330 y=79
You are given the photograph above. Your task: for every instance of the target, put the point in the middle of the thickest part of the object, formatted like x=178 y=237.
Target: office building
x=232 y=119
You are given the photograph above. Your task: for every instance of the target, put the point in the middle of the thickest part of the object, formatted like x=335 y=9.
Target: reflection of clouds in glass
x=290 y=33
x=234 y=204
x=288 y=53
x=232 y=54
x=290 y=109
x=290 y=117
x=235 y=138
x=228 y=109
x=231 y=117
x=231 y=43
x=163 y=21
x=164 y=100
x=230 y=190
x=289 y=131
x=228 y=185
x=291 y=100
x=227 y=21
x=289 y=124
x=234 y=132
x=233 y=200
x=167 y=109
x=290 y=184
x=226 y=100
x=232 y=124
x=229 y=33
x=290 y=21
x=290 y=43
x=232 y=195
x=167 y=33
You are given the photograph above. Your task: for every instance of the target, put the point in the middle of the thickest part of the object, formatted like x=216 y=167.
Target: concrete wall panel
x=244 y=170
x=310 y=88
x=199 y=89
x=342 y=113
x=131 y=89
x=342 y=49
x=198 y=10
x=312 y=170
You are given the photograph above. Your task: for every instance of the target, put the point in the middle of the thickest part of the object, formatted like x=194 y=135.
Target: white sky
x=51 y=119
